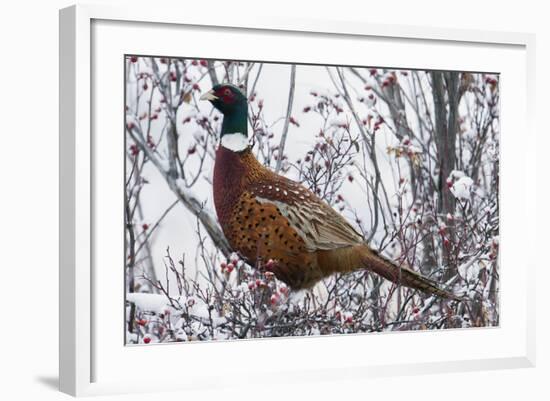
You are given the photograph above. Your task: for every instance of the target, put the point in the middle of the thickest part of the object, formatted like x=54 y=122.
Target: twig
x=287 y=119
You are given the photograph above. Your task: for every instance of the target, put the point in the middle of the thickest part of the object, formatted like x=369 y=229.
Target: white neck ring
x=236 y=142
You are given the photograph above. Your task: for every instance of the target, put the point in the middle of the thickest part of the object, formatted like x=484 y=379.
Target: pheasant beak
x=209 y=96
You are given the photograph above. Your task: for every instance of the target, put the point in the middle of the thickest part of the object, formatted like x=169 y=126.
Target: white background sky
x=28 y=207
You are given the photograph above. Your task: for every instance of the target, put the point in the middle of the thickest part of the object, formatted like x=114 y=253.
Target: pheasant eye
x=227 y=92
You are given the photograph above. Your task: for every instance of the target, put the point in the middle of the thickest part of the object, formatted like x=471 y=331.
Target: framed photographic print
x=222 y=200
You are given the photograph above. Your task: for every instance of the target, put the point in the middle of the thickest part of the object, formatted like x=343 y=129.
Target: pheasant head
x=232 y=103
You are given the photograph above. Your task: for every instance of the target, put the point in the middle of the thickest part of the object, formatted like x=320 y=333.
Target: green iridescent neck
x=236 y=121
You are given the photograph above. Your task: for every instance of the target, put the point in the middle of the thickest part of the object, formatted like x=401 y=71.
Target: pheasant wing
x=320 y=226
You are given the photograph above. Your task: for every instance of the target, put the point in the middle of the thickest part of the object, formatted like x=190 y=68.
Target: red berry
x=142 y=322
x=270 y=264
x=373 y=71
x=204 y=63
x=415 y=310
x=145 y=226
x=196 y=87
x=133 y=59
x=146 y=340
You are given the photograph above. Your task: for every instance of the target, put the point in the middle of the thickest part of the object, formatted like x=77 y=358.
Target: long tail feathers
x=403 y=275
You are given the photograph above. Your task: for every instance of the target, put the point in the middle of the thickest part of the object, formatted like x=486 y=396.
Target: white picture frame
x=88 y=361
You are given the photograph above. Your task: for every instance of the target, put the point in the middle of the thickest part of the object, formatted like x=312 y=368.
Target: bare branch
x=287 y=119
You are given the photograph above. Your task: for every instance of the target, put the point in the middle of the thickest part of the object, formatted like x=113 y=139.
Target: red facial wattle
x=225 y=95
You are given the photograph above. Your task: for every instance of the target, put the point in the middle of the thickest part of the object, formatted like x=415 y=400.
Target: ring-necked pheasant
x=276 y=223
